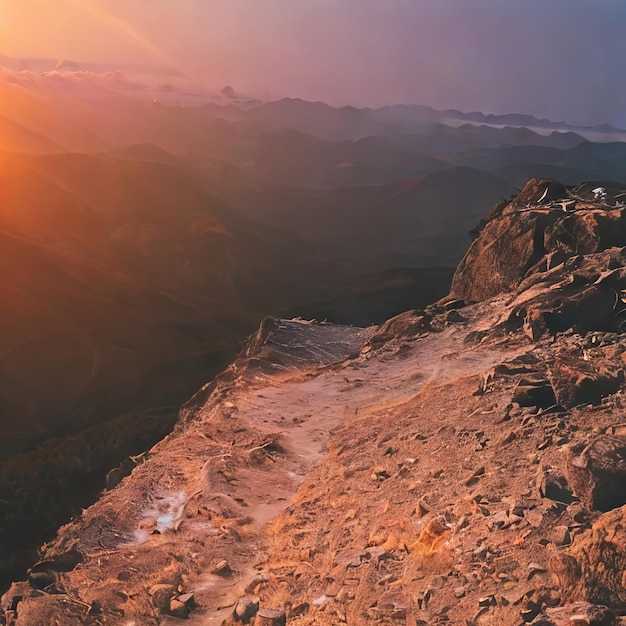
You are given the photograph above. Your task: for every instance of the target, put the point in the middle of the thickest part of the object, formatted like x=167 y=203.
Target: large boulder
x=545 y=222
x=597 y=473
x=594 y=568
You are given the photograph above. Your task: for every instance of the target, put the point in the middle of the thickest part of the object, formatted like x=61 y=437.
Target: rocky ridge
x=459 y=465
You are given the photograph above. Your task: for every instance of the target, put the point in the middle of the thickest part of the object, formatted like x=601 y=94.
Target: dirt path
x=306 y=412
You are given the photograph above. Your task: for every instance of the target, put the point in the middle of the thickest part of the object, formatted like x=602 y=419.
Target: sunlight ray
x=128 y=32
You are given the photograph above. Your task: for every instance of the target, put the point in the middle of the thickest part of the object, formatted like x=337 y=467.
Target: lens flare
x=127 y=31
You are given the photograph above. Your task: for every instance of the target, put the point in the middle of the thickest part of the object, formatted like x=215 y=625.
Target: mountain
x=459 y=463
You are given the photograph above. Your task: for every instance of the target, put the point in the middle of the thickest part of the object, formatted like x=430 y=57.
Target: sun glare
x=127 y=31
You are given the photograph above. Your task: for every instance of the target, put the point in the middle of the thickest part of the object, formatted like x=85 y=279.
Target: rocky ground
x=460 y=465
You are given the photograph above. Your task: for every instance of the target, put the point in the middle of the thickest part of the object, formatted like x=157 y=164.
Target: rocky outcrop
x=546 y=223
x=594 y=568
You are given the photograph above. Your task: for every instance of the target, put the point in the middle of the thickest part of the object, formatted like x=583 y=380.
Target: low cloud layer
x=558 y=58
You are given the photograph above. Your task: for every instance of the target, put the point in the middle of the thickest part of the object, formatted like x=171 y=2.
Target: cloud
x=555 y=58
x=72 y=82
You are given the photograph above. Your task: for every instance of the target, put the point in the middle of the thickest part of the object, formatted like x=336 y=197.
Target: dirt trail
x=305 y=408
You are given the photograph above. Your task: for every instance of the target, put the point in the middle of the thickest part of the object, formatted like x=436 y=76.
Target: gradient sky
x=564 y=59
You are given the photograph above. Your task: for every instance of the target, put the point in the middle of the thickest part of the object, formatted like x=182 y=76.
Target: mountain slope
x=459 y=464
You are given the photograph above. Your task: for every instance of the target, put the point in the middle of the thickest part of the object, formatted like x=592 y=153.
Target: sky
x=562 y=59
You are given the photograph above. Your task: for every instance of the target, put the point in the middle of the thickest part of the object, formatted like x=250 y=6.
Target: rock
x=537 y=192
x=454 y=317
x=598 y=473
x=348 y=558
x=592 y=569
x=576 y=381
x=16 y=593
x=178 y=609
x=497 y=520
x=529 y=614
x=533 y=393
x=472 y=479
x=406 y=324
x=510 y=438
x=535 y=324
x=554 y=486
x=222 y=568
x=380 y=473
x=63 y=562
x=245 y=609
x=489 y=600
x=378 y=553
x=535 y=568
x=270 y=617
x=561 y=536
x=450 y=305
x=578 y=614
x=392 y=602
x=41 y=579
x=188 y=599
x=573 y=234
x=161 y=595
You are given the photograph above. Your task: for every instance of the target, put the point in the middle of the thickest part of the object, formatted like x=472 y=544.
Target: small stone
x=545 y=443
x=509 y=438
x=516 y=595
x=222 y=568
x=454 y=304
x=459 y=592
x=187 y=598
x=535 y=567
x=528 y=615
x=161 y=596
x=489 y=600
x=298 y=609
x=41 y=580
x=473 y=478
x=438 y=582
x=421 y=509
x=380 y=473
x=246 y=608
x=378 y=553
x=344 y=595
x=498 y=520
x=270 y=617
x=179 y=609
x=553 y=486
x=454 y=317
x=348 y=558
x=561 y=536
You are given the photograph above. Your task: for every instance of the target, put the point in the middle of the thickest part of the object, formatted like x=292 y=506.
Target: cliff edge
x=460 y=465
